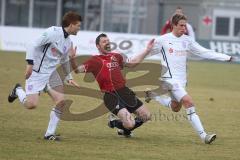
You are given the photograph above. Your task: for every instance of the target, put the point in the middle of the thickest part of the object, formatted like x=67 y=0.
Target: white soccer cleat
x=209 y=138
x=149 y=95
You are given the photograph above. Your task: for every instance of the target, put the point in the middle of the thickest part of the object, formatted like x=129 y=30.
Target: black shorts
x=122 y=98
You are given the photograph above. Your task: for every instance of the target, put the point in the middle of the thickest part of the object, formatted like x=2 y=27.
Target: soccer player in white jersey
x=43 y=56
x=173 y=48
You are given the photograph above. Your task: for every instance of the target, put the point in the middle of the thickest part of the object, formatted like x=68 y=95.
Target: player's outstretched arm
x=133 y=61
x=200 y=51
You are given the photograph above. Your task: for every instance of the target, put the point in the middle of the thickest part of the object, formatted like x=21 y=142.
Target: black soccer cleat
x=148 y=97
x=52 y=138
x=124 y=133
x=12 y=96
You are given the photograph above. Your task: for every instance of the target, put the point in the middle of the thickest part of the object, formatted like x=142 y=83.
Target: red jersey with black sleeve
x=107 y=71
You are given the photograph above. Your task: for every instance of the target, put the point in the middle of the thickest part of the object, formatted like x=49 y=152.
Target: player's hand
x=28 y=71
x=150 y=45
x=71 y=82
x=72 y=51
x=234 y=59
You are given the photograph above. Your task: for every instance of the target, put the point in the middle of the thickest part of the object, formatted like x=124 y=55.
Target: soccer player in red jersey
x=119 y=99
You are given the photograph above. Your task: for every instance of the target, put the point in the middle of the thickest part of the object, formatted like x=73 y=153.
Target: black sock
x=119 y=125
x=138 y=123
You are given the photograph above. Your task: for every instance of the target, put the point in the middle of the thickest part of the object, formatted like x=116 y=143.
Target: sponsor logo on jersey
x=64 y=49
x=112 y=65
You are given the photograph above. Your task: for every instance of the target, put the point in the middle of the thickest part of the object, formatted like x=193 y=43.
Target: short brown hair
x=99 y=37
x=71 y=17
x=177 y=17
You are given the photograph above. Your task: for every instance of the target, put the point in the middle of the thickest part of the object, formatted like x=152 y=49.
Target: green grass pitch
x=215 y=88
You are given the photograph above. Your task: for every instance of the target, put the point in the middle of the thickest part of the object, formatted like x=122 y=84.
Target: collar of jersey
x=65 y=33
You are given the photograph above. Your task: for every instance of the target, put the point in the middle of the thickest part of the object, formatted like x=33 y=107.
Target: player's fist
x=28 y=71
x=73 y=83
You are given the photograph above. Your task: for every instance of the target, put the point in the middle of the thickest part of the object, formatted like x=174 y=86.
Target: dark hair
x=99 y=37
x=177 y=17
x=179 y=7
x=71 y=18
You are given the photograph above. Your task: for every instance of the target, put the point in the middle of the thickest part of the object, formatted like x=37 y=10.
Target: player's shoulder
x=54 y=30
x=117 y=54
x=186 y=38
x=163 y=37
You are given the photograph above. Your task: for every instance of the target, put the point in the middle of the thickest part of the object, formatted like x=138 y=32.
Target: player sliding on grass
x=43 y=56
x=173 y=49
x=119 y=99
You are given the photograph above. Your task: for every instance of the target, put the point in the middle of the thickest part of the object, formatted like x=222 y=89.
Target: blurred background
x=216 y=23
x=211 y=19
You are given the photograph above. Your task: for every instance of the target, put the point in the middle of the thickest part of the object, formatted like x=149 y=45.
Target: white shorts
x=175 y=88
x=38 y=82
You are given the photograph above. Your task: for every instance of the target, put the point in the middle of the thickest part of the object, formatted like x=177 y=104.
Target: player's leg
x=114 y=102
x=164 y=100
x=193 y=118
x=28 y=99
x=30 y=96
x=126 y=118
x=134 y=105
x=142 y=116
x=57 y=96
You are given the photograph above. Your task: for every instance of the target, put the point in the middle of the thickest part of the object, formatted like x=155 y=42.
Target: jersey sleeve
x=157 y=47
x=45 y=38
x=200 y=51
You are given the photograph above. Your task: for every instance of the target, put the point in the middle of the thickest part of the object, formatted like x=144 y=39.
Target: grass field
x=167 y=136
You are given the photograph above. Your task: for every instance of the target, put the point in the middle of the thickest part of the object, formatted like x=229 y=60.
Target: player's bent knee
x=31 y=105
x=146 y=117
x=187 y=102
x=61 y=103
x=176 y=109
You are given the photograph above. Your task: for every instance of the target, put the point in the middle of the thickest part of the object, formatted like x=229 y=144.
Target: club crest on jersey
x=54 y=51
x=64 y=49
x=30 y=87
x=113 y=58
x=170 y=50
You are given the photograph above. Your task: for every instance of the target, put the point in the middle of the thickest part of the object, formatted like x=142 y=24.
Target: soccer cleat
x=12 y=96
x=124 y=133
x=209 y=138
x=148 y=96
x=52 y=138
x=111 y=119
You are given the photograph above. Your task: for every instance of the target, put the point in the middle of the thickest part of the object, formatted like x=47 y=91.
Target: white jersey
x=49 y=50
x=173 y=52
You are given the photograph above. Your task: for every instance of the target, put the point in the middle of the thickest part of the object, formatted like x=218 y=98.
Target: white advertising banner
x=17 y=38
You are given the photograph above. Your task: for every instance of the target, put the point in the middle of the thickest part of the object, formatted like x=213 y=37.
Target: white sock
x=21 y=94
x=164 y=100
x=195 y=122
x=53 y=122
